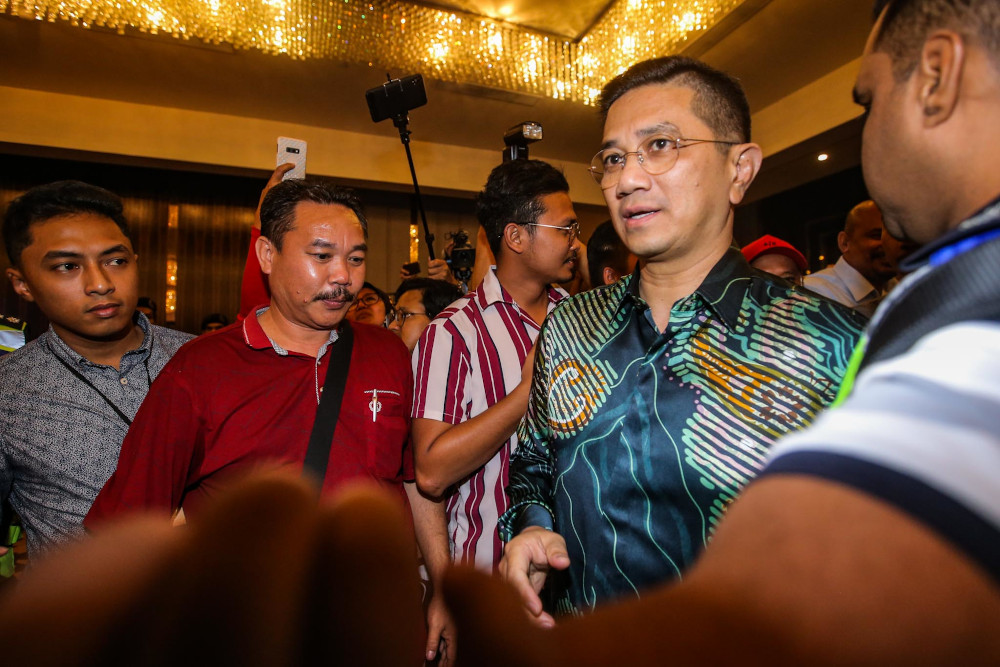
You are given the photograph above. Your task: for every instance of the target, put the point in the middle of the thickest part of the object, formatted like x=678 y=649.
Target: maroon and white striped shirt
x=468 y=359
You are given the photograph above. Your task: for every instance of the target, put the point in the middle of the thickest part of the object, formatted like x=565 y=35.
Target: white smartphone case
x=294 y=151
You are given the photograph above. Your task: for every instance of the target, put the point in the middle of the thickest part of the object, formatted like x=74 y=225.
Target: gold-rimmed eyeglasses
x=656 y=155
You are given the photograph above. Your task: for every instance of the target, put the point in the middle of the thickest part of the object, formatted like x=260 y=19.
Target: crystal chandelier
x=449 y=46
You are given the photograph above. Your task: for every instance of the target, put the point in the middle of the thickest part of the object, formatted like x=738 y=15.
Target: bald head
x=861 y=244
x=863 y=216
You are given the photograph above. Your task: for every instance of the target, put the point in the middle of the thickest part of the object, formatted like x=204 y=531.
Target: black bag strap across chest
x=328 y=410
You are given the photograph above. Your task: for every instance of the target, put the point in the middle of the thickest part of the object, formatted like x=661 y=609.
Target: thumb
x=557 y=556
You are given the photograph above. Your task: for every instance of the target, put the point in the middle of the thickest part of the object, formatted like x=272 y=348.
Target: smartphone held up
x=294 y=151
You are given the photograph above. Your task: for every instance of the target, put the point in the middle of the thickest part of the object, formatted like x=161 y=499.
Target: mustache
x=339 y=293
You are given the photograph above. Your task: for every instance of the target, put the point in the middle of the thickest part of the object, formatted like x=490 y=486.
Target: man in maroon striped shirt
x=472 y=366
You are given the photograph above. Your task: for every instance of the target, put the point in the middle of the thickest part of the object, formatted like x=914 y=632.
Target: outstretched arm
x=254 y=290
x=801 y=571
x=430 y=525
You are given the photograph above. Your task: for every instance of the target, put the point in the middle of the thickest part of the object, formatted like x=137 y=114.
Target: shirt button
x=124 y=381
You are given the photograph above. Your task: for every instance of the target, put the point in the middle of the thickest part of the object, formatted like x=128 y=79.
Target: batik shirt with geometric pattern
x=636 y=441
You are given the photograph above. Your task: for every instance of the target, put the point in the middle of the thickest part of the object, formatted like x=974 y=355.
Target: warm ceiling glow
x=408 y=38
x=822 y=157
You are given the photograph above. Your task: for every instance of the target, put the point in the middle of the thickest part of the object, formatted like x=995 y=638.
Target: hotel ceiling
x=775 y=47
x=556 y=17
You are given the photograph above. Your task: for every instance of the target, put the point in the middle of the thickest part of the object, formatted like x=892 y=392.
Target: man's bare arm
x=801 y=571
x=430 y=525
x=445 y=454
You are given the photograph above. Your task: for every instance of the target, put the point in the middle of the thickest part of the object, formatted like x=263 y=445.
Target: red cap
x=768 y=243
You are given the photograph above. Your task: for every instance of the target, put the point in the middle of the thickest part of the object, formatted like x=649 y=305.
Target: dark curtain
x=212 y=243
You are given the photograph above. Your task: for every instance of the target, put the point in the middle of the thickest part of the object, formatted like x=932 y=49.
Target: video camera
x=517 y=137
x=463 y=256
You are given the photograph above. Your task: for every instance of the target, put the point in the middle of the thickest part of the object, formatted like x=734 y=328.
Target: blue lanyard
x=937 y=258
x=949 y=252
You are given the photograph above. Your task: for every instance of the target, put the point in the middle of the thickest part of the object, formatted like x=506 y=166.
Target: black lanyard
x=80 y=376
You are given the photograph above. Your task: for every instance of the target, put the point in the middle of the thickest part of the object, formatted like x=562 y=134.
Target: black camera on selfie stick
x=394 y=99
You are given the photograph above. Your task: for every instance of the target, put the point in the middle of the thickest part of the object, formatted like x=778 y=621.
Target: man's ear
x=609 y=275
x=746 y=163
x=939 y=72
x=20 y=284
x=265 y=253
x=842 y=242
x=513 y=237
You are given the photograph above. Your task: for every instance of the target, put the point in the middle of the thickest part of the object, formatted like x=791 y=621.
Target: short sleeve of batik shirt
x=441 y=371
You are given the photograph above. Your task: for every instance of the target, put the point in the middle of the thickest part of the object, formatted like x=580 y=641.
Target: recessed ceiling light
x=822 y=157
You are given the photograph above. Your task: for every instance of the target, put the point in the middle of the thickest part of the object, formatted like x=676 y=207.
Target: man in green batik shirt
x=656 y=399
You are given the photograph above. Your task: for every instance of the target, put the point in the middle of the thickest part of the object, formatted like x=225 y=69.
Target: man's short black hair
x=53 y=200
x=719 y=100
x=908 y=22
x=277 y=212
x=605 y=248
x=436 y=295
x=513 y=193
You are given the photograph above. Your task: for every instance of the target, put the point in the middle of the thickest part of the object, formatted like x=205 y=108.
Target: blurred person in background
x=608 y=260
x=418 y=301
x=371 y=306
x=859 y=277
x=779 y=258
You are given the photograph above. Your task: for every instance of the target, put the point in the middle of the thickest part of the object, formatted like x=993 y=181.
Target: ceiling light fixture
x=449 y=46
x=822 y=157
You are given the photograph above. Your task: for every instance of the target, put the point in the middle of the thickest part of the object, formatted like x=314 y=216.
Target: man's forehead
x=874 y=34
x=649 y=108
x=410 y=297
x=322 y=222
x=870 y=65
x=558 y=206
x=72 y=225
x=871 y=59
x=319 y=211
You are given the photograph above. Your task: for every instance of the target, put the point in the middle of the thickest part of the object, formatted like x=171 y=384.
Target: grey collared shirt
x=59 y=439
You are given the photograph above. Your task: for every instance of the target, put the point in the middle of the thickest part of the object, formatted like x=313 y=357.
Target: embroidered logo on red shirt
x=375 y=405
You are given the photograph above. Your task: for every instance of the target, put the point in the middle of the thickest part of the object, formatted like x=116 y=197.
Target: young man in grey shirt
x=69 y=396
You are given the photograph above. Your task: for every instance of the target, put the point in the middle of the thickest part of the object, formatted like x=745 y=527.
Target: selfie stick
x=400 y=120
x=394 y=99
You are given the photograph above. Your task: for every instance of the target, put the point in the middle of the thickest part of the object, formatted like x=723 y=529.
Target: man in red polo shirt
x=247 y=396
